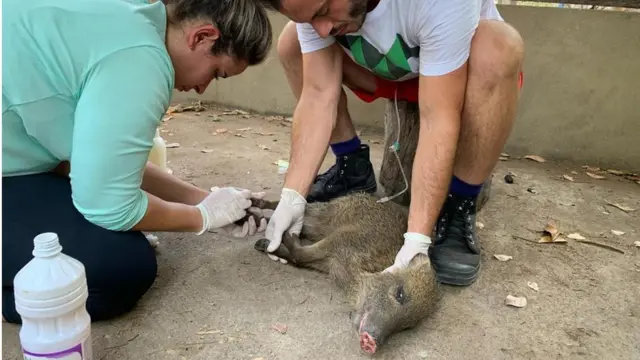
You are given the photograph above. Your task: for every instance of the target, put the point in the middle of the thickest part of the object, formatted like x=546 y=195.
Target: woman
x=85 y=85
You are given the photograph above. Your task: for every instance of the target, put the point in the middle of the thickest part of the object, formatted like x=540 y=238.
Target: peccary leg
x=390 y=174
x=260 y=204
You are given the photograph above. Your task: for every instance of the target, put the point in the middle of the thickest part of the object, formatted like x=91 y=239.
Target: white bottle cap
x=46 y=244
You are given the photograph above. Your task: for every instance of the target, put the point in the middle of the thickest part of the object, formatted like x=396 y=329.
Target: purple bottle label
x=78 y=352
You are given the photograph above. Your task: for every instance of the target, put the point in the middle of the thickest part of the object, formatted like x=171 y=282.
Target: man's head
x=210 y=39
x=328 y=17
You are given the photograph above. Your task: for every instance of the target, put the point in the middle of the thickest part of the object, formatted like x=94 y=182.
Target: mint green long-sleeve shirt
x=86 y=81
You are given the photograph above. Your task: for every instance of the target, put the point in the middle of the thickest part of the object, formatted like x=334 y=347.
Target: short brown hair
x=245 y=28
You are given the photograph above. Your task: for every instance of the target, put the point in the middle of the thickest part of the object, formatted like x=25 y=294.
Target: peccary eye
x=400 y=295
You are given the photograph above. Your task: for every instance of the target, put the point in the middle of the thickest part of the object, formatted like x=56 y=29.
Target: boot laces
x=457 y=222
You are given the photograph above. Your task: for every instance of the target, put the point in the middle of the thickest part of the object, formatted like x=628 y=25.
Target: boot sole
x=455 y=277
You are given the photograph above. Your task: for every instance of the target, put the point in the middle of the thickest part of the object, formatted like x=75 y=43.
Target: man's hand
x=222 y=207
x=288 y=216
x=414 y=244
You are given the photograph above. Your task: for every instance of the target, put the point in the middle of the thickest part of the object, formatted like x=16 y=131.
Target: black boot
x=352 y=172
x=455 y=254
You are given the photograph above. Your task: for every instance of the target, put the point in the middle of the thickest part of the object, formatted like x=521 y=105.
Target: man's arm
x=440 y=101
x=315 y=116
x=118 y=111
x=445 y=31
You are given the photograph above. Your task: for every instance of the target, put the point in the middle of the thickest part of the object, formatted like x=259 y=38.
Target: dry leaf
x=167 y=118
x=595 y=176
x=244 y=129
x=281 y=328
x=210 y=332
x=235 y=112
x=504 y=155
x=239 y=135
x=550 y=234
x=501 y=257
x=574 y=172
x=375 y=142
x=503 y=158
x=567 y=177
x=537 y=158
x=259 y=358
x=621 y=207
x=263 y=147
x=516 y=301
x=636 y=243
x=220 y=131
x=263 y=134
x=589 y=168
x=533 y=286
x=172 y=145
x=617 y=172
x=617 y=232
x=479 y=225
x=576 y=236
x=175 y=109
x=206 y=151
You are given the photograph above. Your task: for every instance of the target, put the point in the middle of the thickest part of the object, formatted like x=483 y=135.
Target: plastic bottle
x=158 y=153
x=50 y=295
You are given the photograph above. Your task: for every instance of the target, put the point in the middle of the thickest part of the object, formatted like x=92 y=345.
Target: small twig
x=123 y=344
x=110 y=349
x=304 y=301
x=523 y=238
x=604 y=246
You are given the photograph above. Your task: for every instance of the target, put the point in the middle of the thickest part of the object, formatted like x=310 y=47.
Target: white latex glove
x=287 y=216
x=249 y=227
x=414 y=244
x=222 y=207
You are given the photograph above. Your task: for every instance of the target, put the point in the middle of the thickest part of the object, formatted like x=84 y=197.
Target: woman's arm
x=170 y=188
x=120 y=107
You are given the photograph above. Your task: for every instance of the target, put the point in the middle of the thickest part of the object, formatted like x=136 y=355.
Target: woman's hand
x=223 y=206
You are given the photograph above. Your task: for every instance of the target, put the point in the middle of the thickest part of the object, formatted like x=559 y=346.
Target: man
x=457 y=59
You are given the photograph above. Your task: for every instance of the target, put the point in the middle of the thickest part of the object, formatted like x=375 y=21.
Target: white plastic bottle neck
x=46 y=245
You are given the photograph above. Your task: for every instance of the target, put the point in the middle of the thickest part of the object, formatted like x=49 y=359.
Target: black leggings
x=120 y=266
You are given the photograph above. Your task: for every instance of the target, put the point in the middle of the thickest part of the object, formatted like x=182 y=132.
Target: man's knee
x=497 y=51
x=288 y=47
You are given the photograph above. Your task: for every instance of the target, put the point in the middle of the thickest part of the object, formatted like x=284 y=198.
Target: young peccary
x=354 y=238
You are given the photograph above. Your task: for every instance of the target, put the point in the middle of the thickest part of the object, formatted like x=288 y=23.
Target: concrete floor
x=217 y=298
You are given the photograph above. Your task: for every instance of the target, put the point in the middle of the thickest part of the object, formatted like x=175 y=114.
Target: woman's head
x=209 y=39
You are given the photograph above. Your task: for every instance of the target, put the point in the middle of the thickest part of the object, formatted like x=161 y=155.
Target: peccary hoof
x=261 y=245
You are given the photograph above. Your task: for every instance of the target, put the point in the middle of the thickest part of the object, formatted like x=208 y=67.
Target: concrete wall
x=581 y=96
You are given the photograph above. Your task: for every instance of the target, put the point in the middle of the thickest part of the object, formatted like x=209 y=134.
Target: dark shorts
x=407 y=90
x=120 y=266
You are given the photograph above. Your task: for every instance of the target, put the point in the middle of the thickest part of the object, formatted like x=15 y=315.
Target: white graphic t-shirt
x=403 y=38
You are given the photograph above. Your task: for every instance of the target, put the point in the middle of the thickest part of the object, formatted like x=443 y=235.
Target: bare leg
x=491 y=100
x=291 y=58
x=487 y=119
